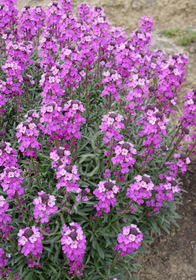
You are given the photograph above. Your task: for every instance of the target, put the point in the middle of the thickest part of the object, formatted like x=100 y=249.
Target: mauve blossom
x=129 y=240
x=73 y=245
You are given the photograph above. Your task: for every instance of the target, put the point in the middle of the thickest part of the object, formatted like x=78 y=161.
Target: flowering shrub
x=89 y=160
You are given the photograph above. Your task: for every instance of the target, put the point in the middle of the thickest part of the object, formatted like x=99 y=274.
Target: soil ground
x=171 y=257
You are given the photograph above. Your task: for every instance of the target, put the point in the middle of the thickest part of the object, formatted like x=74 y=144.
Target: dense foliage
x=89 y=160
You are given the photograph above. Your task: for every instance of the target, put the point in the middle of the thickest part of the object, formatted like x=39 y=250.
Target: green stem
x=79 y=97
x=36 y=174
x=116 y=260
x=176 y=133
x=21 y=208
x=189 y=153
x=170 y=155
x=127 y=123
x=70 y=92
x=28 y=103
x=110 y=101
x=55 y=141
x=12 y=242
x=64 y=204
x=117 y=179
x=174 y=148
x=43 y=227
x=98 y=64
x=143 y=167
x=121 y=215
x=109 y=165
x=38 y=35
x=120 y=108
x=18 y=115
x=73 y=276
x=86 y=94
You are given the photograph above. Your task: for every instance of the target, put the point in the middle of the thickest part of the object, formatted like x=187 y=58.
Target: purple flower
x=44 y=206
x=73 y=119
x=8 y=156
x=82 y=194
x=182 y=161
x=73 y=242
x=112 y=123
x=106 y=194
x=10 y=180
x=31 y=21
x=3 y=257
x=68 y=175
x=4 y=217
x=141 y=188
x=60 y=156
x=129 y=240
x=124 y=152
x=31 y=241
x=27 y=134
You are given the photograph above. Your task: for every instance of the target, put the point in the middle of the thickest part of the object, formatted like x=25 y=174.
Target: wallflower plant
x=89 y=161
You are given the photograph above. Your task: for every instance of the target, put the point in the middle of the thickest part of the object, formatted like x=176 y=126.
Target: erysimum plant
x=89 y=160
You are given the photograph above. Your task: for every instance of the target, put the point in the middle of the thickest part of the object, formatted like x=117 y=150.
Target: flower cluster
x=112 y=123
x=112 y=82
x=13 y=70
x=153 y=120
x=9 y=13
x=4 y=217
x=31 y=241
x=187 y=121
x=11 y=181
x=71 y=76
x=124 y=155
x=27 y=134
x=182 y=161
x=73 y=242
x=190 y=107
x=141 y=188
x=174 y=68
x=3 y=261
x=3 y=99
x=51 y=115
x=154 y=123
x=106 y=194
x=62 y=122
x=171 y=184
x=18 y=58
x=54 y=14
x=60 y=156
x=50 y=81
x=129 y=240
x=73 y=119
x=44 y=206
x=7 y=155
x=21 y=52
x=31 y=22
x=3 y=257
x=82 y=194
x=68 y=175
